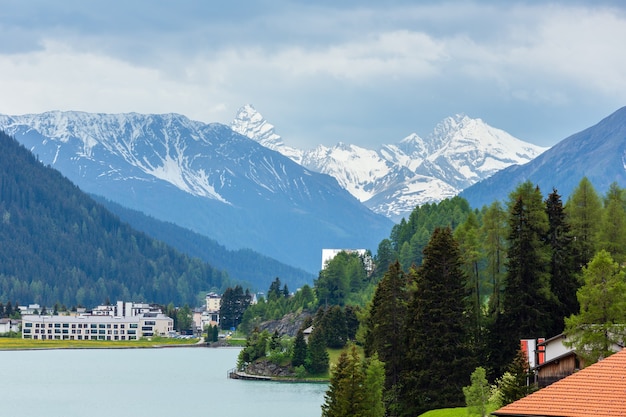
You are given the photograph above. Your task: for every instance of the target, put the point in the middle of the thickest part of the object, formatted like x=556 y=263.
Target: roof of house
x=598 y=390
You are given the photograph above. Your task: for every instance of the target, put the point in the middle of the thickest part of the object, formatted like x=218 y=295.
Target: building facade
x=96 y=327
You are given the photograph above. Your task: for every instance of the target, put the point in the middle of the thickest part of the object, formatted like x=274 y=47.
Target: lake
x=144 y=382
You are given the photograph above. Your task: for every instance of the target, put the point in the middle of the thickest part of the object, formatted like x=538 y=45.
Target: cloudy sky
x=361 y=72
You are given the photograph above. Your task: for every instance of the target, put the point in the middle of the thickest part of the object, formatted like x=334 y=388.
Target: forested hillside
x=246 y=266
x=455 y=289
x=58 y=245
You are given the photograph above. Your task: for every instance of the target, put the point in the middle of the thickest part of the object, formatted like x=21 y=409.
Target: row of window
x=87 y=331
x=80 y=337
x=85 y=325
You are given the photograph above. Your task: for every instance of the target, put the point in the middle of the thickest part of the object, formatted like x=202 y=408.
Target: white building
x=96 y=327
x=9 y=325
x=213 y=301
x=120 y=321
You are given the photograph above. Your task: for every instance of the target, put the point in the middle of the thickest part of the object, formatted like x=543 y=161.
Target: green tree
x=185 y=318
x=564 y=280
x=373 y=404
x=467 y=235
x=601 y=323
x=299 y=355
x=317 y=360
x=355 y=387
x=351 y=314
x=274 y=291
x=514 y=383
x=437 y=331
x=334 y=326
x=385 y=326
x=477 y=394
x=584 y=209
x=493 y=232
x=233 y=305
x=527 y=299
x=612 y=233
x=256 y=348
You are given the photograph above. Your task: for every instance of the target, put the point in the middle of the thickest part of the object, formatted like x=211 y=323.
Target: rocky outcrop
x=288 y=325
x=267 y=368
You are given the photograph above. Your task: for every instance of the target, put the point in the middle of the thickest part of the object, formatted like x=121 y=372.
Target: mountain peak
x=249 y=122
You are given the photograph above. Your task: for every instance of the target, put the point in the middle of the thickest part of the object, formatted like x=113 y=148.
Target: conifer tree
x=355 y=387
x=601 y=323
x=317 y=360
x=373 y=404
x=467 y=235
x=527 y=299
x=385 y=325
x=494 y=237
x=612 y=233
x=584 y=209
x=564 y=281
x=299 y=350
x=477 y=393
x=437 y=332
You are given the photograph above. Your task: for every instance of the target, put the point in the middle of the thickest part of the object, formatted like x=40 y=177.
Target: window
x=29 y=324
x=66 y=325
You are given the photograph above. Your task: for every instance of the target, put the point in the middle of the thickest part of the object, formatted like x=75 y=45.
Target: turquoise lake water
x=144 y=382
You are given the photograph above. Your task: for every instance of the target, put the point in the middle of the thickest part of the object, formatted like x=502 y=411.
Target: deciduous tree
x=601 y=323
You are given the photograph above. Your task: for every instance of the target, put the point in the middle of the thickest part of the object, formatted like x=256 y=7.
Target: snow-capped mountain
x=395 y=178
x=597 y=153
x=204 y=177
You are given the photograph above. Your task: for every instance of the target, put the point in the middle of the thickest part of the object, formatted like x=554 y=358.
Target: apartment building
x=96 y=327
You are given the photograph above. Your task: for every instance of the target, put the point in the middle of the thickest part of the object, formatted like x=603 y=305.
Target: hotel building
x=96 y=327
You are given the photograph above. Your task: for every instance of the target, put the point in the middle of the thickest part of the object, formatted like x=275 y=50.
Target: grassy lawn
x=446 y=412
x=11 y=343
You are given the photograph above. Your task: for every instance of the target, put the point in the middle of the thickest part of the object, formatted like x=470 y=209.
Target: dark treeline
x=59 y=246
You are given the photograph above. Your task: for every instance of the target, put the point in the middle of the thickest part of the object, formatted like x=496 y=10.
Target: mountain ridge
x=393 y=179
x=204 y=177
x=598 y=153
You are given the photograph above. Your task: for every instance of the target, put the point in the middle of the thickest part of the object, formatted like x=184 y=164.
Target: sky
x=322 y=72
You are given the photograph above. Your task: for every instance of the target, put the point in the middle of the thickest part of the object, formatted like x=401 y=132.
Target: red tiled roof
x=598 y=390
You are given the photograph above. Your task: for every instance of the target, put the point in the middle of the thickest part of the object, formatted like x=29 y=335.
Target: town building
x=553 y=359
x=122 y=321
x=8 y=325
x=598 y=390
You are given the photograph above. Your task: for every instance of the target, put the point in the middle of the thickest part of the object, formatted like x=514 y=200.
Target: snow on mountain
x=204 y=177
x=249 y=122
x=395 y=178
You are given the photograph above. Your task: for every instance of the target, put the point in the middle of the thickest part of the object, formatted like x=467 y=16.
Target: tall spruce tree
x=317 y=359
x=437 y=333
x=527 y=299
x=564 y=280
x=385 y=325
x=299 y=355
